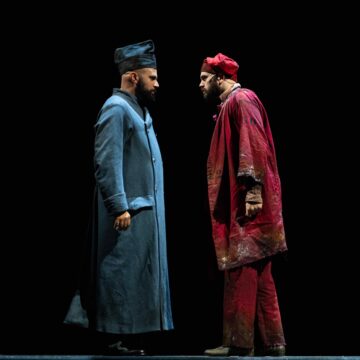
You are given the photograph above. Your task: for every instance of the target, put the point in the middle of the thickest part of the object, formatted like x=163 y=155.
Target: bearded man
x=125 y=288
x=246 y=212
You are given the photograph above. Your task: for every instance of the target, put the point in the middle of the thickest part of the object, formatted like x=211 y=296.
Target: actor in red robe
x=246 y=212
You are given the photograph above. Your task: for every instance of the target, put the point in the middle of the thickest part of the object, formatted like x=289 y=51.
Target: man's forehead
x=205 y=75
x=147 y=71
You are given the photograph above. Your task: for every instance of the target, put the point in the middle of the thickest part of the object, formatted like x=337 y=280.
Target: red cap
x=221 y=64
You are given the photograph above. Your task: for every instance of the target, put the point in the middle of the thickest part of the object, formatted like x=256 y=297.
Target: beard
x=144 y=96
x=213 y=92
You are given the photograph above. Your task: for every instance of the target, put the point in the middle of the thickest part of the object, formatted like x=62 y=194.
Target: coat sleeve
x=253 y=145
x=111 y=129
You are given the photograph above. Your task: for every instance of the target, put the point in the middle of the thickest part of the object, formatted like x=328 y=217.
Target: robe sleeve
x=253 y=144
x=110 y=136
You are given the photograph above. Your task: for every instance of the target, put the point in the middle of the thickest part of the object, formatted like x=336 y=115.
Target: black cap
x=135 y=56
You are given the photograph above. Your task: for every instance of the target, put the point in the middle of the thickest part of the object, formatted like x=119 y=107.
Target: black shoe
x=275 y=350
x=118 y=349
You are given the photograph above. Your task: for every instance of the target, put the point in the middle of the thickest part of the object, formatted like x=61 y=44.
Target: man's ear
x=220 y=78
x=134 y=77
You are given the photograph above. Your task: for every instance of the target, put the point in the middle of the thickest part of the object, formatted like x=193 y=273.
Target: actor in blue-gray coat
x=127 y=291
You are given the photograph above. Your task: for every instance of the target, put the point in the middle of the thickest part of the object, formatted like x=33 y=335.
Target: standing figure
x=125 y=287
x=246 y=211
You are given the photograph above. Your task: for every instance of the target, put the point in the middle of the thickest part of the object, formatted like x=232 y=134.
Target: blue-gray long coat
x=128 y=288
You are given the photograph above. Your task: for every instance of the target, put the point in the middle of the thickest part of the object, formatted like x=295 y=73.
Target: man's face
x=209 y=87
x=147 y=85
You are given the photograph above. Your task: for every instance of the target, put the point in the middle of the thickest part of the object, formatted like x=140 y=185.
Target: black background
x=62 y=71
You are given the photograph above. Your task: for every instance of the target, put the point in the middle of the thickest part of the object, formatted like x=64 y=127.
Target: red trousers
x=250 y=300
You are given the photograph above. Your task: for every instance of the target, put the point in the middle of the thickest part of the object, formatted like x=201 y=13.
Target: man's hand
x=253 y=201
x=252 y=209
x=122 y=222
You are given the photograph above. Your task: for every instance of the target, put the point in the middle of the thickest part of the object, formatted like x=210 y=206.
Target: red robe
x=242 y=153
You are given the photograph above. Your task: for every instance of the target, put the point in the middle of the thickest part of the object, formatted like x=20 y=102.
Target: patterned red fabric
x=242 y=149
